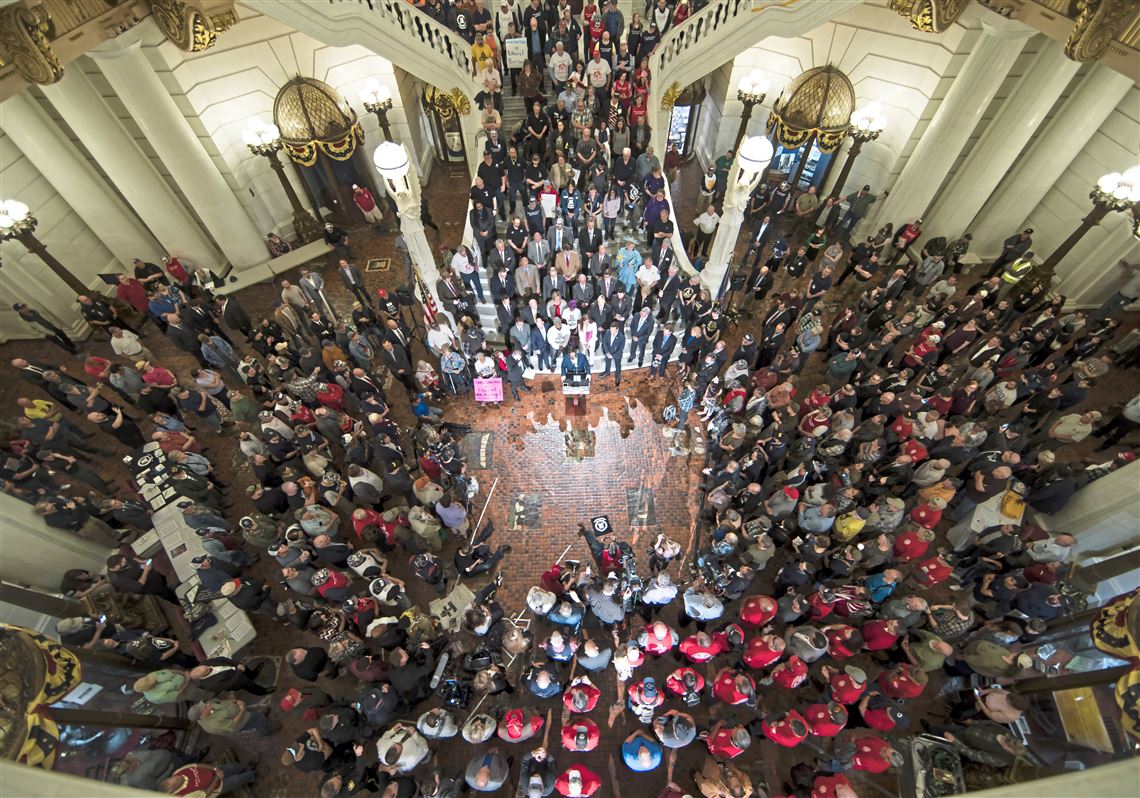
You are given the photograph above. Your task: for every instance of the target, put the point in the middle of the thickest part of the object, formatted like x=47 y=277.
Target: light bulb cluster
x=15 y=218
x=262 y=138
x=753 y=88
x=1118 y=191
x=868 y=122
x=376 y=97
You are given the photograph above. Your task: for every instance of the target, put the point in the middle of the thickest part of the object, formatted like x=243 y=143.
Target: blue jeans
x=474 y=284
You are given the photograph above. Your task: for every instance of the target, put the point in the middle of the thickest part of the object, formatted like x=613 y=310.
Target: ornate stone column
x=752 y=158
x=993 y=54
x=69 y=173
x=1006 y=136
x=129 y=169
x=1018 y=193
x=167 y=130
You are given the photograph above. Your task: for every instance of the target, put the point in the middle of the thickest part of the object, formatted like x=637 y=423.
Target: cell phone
x=149 y=560
x=103 y=618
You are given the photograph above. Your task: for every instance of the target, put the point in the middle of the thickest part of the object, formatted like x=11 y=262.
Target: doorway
x=684 y=119
x=786 y=161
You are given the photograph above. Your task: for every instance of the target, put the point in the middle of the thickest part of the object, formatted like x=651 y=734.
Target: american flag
x=428 y=301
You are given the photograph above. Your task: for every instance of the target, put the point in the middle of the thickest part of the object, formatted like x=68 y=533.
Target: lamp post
x=378 y=100
x=264 y=139
x=1113 y=192
x=866 y=125
x=751 y=91
x=752 y=158
x=17 y=222
x=403 y=186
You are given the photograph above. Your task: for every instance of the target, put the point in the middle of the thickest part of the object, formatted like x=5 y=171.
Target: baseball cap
x=291 y=698
x=855 y=673
x=791 y=493
x=201 y=558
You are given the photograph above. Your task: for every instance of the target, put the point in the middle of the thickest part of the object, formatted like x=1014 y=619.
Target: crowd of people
x=860 y=398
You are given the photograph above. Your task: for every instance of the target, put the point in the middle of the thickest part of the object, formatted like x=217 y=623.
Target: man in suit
x=669 y=289
x=640 y=330
x=600 y=261
x=664 y=342
x=589 y=239
x=450 y=290
x=557 y=235
x=613 y=345
x=234 y=315
x=183 y=337
x=397 y=363
x=567 y=261
x=354 y=281
x=582 y=292
x=520 y=338
x=363 y=385
x=621 y=304
x=505 y=313
x=607 y=284
x=538 y=250
x=528 y=279
x=222 y=674
x=760 y=237
x=502 y=283
x=501 y=255
x=517 y=363
x=894 y=285
x=770 y=344
x=553 y=281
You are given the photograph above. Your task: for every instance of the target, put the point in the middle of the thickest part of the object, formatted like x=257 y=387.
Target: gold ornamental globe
x=307 y=110
x=818 y=101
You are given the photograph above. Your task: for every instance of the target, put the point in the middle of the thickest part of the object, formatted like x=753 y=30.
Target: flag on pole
x=428 y=301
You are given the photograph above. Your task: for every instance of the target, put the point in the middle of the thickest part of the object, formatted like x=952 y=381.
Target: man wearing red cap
x=702 y=647
x=581 y=735
x=577 y=781
x=728 y=742
x=757 y=611
x=790 y=674
x=788 y=730
x=519 y=725
x=903 y=681
x=733 y=687
x=836 y=786
x=826 y=720
x=581 y=695
x=846 y=685
x=763 y=650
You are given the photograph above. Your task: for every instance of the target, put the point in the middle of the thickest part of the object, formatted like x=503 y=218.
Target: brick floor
x=529 y=456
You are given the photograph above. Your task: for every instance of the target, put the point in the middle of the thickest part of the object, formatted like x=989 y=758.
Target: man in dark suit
x=582 y=291
x=222 y=674
x=589 y=240
x=770 y=344
x=553 y=281
x=354 y=281
x=234 y=315
x=613 y=345
x=607 y=284
x=516 y=365
x=502 y=255
x=600 y=261
x=664 y=342
x=621 y=304
x=640 y=330
x=538 y=251
x=505 y=313
x=183 y=337
x=669 y=289
x=397 y=362
x=450 y=290
x=502 y=283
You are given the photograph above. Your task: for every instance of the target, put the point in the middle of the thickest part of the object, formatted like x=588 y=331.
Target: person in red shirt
x=728 y=742
x=132 y=292
x=934 y=571
x=912 y=544
x=331 y=584
x=519 y=725
x=206 y=780
x=658 y=638
x=331 y=396
x=826 y=720
x=843 y=641
x=364 y=201
x=880 y=635
x=822 y=603
x=757 y=611
x=581 y=695
x=922 y=352
x=789 y=729
x=762 y=651
x=914 y=450
x=873 y=755
x=903 y=681
x=685 y=681
x=577 y=780
x=845 y=686
x=702 y=647
x=581 y=735
x=155 y=375
x=176 y=270
x=836 y=786
x=644 y=698
x=734 y=688
x=881 y=713
x=790 y=674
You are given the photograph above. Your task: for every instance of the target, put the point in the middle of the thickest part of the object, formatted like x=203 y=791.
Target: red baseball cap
x=291 y=698
x=791 y=492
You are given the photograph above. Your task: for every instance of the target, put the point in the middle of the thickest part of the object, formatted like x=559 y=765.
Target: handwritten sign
x=515 y=50
x=489 y=389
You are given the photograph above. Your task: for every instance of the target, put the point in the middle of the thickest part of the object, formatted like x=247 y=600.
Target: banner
x=489 y=390
x=515 y=51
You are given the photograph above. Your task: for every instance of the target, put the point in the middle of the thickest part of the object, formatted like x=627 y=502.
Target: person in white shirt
x=438 y=335
x=561 y=65
x=598 y=73
x=706 y=225
x=558 y=336
x=402 y=748
x=126 y=344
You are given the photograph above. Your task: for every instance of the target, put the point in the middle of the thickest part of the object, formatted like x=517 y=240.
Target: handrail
x=428 y=30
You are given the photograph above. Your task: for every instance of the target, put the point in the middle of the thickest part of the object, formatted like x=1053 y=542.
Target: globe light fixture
x=867 y=123
x=378 y=100
x=751 y=91
x=391 y=162
x=754 y=153
x=1116 y=191
x=17 y=223
x=264 y=139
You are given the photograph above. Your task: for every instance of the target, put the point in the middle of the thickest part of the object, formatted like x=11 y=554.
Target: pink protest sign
x=489 y=390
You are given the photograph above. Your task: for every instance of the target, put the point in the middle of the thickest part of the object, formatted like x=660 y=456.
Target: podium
x=576 y=384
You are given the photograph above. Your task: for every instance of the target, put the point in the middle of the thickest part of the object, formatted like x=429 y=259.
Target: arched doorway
x=808 y=124
x=685 y=118
x=444 y=110
x=323 y=140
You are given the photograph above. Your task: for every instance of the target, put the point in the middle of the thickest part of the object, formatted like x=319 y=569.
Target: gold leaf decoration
x=1097 y=26
x=24 y=43
x=930 y=16
x=188 y=28
x=669 y=98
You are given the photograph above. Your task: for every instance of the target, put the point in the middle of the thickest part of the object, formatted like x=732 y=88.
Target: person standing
x=54 y=333
x=362 y=198
x=354 y=281
x=613 y=346
x=1011 y=249
x=705 y=225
